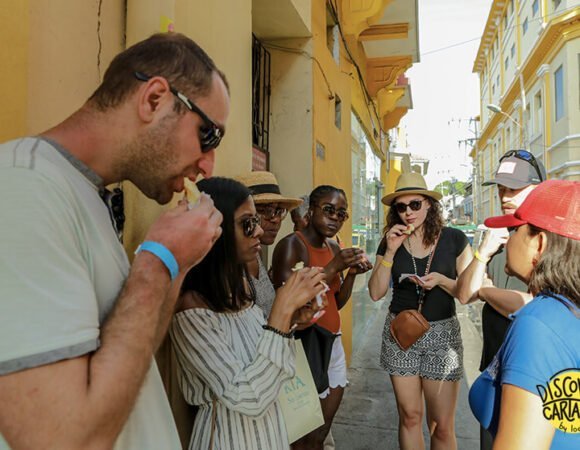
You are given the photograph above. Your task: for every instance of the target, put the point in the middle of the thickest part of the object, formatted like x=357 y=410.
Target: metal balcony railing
x=260 y=96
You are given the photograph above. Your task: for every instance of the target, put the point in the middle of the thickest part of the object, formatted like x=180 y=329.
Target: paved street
x=367 y=418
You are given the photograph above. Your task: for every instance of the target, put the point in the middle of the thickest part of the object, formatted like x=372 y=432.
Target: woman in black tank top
x=429 y=371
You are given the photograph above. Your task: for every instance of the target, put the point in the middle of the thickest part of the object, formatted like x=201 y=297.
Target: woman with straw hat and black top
x=428 y=372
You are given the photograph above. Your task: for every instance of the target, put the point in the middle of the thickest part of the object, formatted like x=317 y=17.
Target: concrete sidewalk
x=367 y=418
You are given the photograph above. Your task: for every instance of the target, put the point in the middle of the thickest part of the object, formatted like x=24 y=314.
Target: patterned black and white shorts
x=437 y=355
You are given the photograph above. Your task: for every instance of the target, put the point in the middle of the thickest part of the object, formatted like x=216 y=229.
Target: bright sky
x=445 y=91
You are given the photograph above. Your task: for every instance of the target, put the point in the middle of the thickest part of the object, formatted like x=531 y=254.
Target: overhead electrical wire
x=513 y=27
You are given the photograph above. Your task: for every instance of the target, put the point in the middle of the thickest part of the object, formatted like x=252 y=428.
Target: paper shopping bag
x=299 y=399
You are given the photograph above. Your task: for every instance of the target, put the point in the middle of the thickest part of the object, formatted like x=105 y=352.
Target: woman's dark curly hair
x=431 y=227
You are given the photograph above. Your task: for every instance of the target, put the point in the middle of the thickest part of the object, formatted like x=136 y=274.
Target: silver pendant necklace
x=408 y=241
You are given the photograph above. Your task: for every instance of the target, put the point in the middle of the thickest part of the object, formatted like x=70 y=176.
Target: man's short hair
x=177 y=58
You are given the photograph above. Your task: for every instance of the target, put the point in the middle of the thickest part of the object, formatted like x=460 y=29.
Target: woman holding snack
x=314 y=246
x=232 y=362
x=423 y=258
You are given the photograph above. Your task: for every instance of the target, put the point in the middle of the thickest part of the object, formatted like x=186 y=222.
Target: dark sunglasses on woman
x=329 y=211
x=249 y=225
x=415 y=205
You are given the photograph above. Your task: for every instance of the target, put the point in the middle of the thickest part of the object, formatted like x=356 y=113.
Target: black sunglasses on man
x=210 y=133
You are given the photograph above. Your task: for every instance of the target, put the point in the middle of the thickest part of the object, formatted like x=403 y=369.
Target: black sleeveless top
x=438 y=304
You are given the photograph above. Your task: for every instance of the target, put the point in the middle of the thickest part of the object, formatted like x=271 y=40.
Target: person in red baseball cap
x=512 y=397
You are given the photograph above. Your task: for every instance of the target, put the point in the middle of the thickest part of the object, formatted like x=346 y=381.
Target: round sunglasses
x=415 y=205
x=330 y=211
x=269 y=212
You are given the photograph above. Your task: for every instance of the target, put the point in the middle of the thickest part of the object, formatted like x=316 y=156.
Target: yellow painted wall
x=65 y=63
x=302 y=7
x=224 y=30
x=53 y=62
x=291 y=119
x=14 y=28
x=572 y=77
x=331 y=79
x=335 y=169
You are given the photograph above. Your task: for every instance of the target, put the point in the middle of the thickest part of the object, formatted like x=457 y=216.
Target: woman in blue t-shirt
x=512 y=397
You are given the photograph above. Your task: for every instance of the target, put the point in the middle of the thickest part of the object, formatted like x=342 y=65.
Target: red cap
x=552 y=206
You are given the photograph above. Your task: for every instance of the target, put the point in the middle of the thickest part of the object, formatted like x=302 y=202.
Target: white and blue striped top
x=229 y=357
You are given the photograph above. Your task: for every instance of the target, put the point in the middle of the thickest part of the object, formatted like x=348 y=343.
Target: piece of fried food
x=298 y=266
x=410 y=229
x=191 y=191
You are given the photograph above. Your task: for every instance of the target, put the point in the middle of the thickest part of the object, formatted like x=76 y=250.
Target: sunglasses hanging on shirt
x=115 y=204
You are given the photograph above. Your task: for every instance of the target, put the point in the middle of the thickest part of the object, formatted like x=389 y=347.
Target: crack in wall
x=100 y=49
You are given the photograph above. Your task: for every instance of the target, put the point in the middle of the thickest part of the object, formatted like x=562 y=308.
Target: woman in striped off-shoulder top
x=232 y=362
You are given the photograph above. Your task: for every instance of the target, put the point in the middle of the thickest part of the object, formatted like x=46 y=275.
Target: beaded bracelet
x=278 y=332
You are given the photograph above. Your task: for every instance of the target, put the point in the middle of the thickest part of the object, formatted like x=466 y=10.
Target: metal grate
x=260 y=96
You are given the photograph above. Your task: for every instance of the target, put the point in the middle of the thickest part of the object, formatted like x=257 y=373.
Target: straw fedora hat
x=410 y=183
x=264 y=188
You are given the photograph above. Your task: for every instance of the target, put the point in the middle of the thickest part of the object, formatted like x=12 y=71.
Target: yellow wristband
x=479 y=258
x=387 y=264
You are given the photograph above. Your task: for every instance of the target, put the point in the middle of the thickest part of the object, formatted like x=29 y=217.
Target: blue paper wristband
x=163 y=253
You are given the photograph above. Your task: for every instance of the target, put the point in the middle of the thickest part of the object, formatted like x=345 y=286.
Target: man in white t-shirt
x=78 y=325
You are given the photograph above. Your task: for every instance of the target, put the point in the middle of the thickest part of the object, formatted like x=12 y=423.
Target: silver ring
x=189 y=206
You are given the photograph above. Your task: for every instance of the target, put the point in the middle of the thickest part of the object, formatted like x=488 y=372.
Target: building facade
x=528 y=64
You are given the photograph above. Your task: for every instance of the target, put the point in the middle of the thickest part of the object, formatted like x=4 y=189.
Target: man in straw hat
x=423 y=259
x=272 y=207
x=485 y=278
